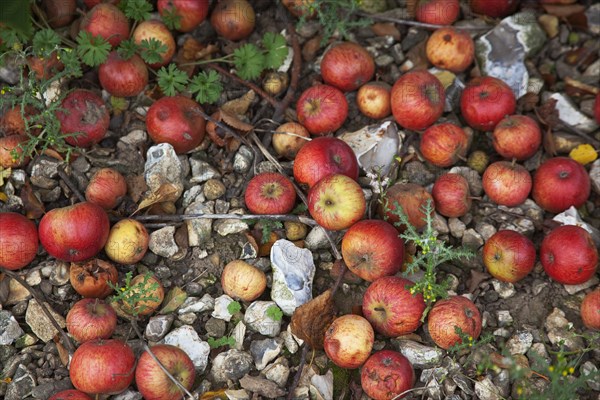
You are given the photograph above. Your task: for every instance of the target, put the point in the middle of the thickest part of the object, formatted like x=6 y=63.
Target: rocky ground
x=526 y=322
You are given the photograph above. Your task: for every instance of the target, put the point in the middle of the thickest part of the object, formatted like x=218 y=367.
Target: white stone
x=9 y=328
x=256 y=318
x=221 y=308
x=197 y=305
x=187 y=339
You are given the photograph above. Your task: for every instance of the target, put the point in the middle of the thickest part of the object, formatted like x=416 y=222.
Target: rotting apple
x=417 y=100
x=44 y=68
x=59 y=13
x=336 y=202
x=123 y=77
x=176 y=120
x=590 y=310
x=509 y=256
x=11 y=151
x=371 y=259
x=12 y=122
x=322 y=109
x=70 y=394
x=127 y=241
x=289 y=138
x=190 y=14
x=391 y=308
x=91 y=278
x=451 y=49
x=243 y=281
x=102 y=367
x=91 y=318
x=569 y=255
x=506 y=183
x=154 y=294
x=270 y=193
x=387 y=374
x=373 y=99
x=299 y=8
x=559 y=183
x=18 y=241
x=437 y=12
x=448 y=314
x=451 y=195
x=494 y=8
x=83 y=118
x=155 y=29
x=233 y=19
x=444 y=144
x=517 y=136
x=107 y=21
x=348 y=341
x=151 y=380
x=324 y=156
x=347 y=66
x=412 y=199
x=106 y=188
x=485 y=101
x=74 y=233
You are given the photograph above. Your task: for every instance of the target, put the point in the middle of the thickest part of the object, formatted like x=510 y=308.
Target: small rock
x=239 y=334
x=595 y=176
x=321 y=386
x=290 y=343
x=570 y=114
x=264 y=351
x=262 y=387
x=162 y=242
x=239 y=394
x=163 y=166
x=21 y=385
x=60 y=273
x=440 y=225
x=213 y=189
x=187 y=339
x=472 y=239
x=316 y=239
x=556 y=320
x=197 y=305
x=158 y=326
x=588 y=368
x=520 y=343
x=187 y=318
x=128 y=394
x=257 y=319
x=457 y=227
x=46 y=390
x=25 y=341
x=242 y=161
x=485 y=230
x=232 y=364
x=592 y=282
x=558 y=328
x=39 y=323
x=9 y=328
x=486 y=390
x=226 y=227
x=220 y=308
x=504 y=318
x=593 y=18
x=417 y=172
x=504 y=289
x=419 y=355
x=199 y=229
x=202 y=171
x=16 y=293
x=502 y=383
x=135 y=137
x=278 y=372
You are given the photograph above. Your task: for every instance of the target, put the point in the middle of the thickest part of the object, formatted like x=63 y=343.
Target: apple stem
x=475 y=198
x=513 y=162
x=379 y=309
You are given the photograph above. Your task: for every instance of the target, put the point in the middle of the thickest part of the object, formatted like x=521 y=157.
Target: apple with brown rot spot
x=387 y=374
x=270 y=193
x=449 y=314
x=83 y=118
x=509 y=256
x=450 y=49
x=373 y=100
x=348 y=341
x=90 y=278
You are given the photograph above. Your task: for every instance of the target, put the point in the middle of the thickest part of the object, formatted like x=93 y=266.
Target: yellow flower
x=551 y=368
x=571 y=370
x=519 y=391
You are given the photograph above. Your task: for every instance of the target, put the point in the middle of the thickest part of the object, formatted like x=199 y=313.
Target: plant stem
x=249 y=85
x=185 y=217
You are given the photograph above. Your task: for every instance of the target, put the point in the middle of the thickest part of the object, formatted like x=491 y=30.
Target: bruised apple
x=444 y=144
x=373 y=100
x=447 y=314
x=509 y=256
x=347 y=66
x=11 y=151
x=233 y=19
x=322 y=109
x=451 y=49
x=590 y=310
x=18 y=241
x=154 y=293
x=386 y=374
x=412 y=199
x=123 y=77
x=349 y=340
x=289 y=138
x=243 y=281
x=83 y=118
x=270 y=193
x=127 y=241
x=417 y=100
x=451 y=195
x=106 y=188
x=91 y=278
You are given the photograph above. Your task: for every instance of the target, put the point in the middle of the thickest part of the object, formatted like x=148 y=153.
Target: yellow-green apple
x=444 y=144
x=451 y=195
x=91 y=319
x=391 y=308
x=189 y=14
x=590 y=310
x=559 y=183
x=322 y=109
x=485 y=101
x=569 y=255
x=106 y=188
x=127 y=241
x=506 y=183
x=371 y=259
x=449 y=314
x=417 y=100
x=517 y=136
x=270 y=193
x=336 y=202
x=18 y=241
x=83 y=118
x=373 y=100
x=157 y=30
x=289 y=138
x=107 y=21
x=243 y=281
x=91 y=278
x=70 y=394
x=387 y=374
x=509 y=256
x=494 y=8
x=233 y=19
x=347 y=66
x=451 y=49
x=123 y=77
x=349 y=340
x=437 y=12
x=412 y=199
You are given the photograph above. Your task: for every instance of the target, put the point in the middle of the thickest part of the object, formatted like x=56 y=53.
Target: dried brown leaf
x=311 y=320
x=34 y=208
x=174 y=298
x=548 y=142
x=166 y=192
x=240 y=105
x=548 y=114
x=136 y=187
x=63 y=353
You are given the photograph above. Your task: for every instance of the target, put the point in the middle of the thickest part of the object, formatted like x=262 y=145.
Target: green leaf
x=274 y=313
x=234 y=307
x=45 y=42
x=11 y=39
x=16 y=14
x=171 y=17
x=223 y=341
x=269 y=226
x=93 y=50
x=71 y=62
x=127 y=49
x=207 y=86
x=171 y=80
x=276 y=50
x=138 y=10
x=249 y=61
x=152 y=49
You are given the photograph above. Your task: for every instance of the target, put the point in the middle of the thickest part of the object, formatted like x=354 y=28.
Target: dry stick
x=421 y=24
x=185 y=217
x=298 y=373
x=249 y=85
x=63 y=175
x=40 y=301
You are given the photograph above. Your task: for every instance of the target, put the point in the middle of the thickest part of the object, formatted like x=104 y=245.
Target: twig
x=185 y=217
x=296 y=380
x=67 y=180
x=249 y=85
x=417 y=24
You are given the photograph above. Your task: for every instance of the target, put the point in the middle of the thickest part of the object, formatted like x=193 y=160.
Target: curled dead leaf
x=311 y=320
x=222 y=137
x=34 y=208
x=167 y=192
x=240 y=105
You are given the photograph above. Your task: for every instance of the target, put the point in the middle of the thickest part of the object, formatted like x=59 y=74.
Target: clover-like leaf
x=207 y=86
x=249 y=61
x=276 y=49
x=93 y=50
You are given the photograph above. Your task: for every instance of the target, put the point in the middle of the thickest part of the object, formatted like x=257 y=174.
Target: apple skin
x=90 y=319
x=590 y=310
x=390 y=307
x=45 y=68
x=517 y=136
x=371 y=259
x=18 y=242
x=347 y=66
x=569 y=255
x=102 y=367
x=437 y=12
x=444 y=144
x=451 y=195
x=74 y=233
x=233 y=19
x=417 y=100
x=155 y=29
x=270 y=193
x=7 y=145
x=559 y=183
x=84 y=116
x=348 y=341
x=70 y=394
x=288 y=146
x=127 y=242
x=90 y=279
x=153 y=383
x=176 y=120
x=106 y=188
x=243 y=281
x=485 y=101
x=324 y=156
x=448 y=48
x=107 y=21
x=449 y=313
x=123 y=78
x=509 y=256
x=411 y=198
x=373 y=100
x=597 y=108
x=191 y=13
x=322 y=109
x=506 y=183
x=386 y=374
x=139 y=283
x=336 y=202
x=494 y=8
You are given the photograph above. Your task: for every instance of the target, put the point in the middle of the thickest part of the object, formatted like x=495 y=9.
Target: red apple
x=151 y=380
x=92 y=3
x=243 y=281
x=59 y=13
x=347 y=66
x=447 y=314
x=509 y=256
x=348 y=341
x=270 y=193
x=154 y=29
x=289 y=138
x=373 y=100
x=590 y=310
x=597 y=108
x=70 y=394
x=417 y=100
x=44 y=68
x=91 y=319
x=485 y=101
x=517 y=136
x=233 y=19
x=412 y=199
x=451 y=195
x=506 y=183
x=102 y=367
x=494 y=8
x=336 y=202
x=121 y=77
x=12 y=122
x=127 y=242
x=324 y=156
x=560 y=183
x=437 y=12
x=371 y=259
x=448 y=48
x=386 y=374
x=11 y=151
x=108 y=21
x=83 y=118
x=190 y=13
x=90 y=279
x=569 y=255
x=74 y=233
x=391 y=308
x=178 y=121
x=322 y=109
x=106 y=188
x=444 y=144
x=18 y=241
